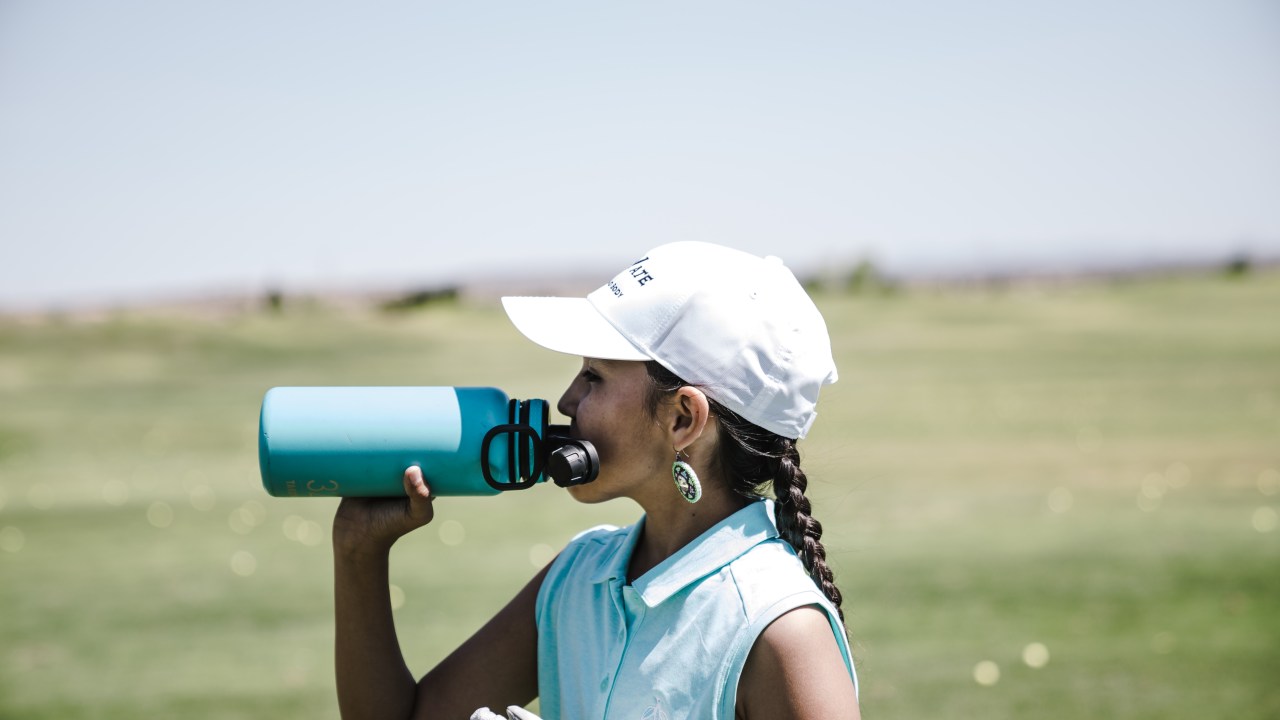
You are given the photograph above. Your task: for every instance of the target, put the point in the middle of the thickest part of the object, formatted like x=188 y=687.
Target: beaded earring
x=686 y=480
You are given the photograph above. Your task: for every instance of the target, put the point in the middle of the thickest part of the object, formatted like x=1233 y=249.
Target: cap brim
x=569 y=325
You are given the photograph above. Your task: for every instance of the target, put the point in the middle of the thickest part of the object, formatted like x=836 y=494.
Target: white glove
x=513 y=713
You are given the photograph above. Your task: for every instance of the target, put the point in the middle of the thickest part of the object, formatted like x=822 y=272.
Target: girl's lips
x=568 y=431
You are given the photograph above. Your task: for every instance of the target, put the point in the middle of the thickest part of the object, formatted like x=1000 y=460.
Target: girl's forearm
x=372 y=677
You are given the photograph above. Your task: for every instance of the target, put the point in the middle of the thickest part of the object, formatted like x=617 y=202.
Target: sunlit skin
x=794 y=671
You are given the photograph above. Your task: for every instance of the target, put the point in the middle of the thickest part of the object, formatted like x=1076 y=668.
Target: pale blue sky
x=175 y=148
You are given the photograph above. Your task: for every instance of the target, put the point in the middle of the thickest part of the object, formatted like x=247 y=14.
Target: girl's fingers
x=414 y=486
x=384 y=520
x=420 y=498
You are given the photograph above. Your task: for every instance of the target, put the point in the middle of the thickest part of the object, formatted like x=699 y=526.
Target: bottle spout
x=570 y=461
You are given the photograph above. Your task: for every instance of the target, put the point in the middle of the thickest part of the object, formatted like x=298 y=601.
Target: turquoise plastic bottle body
x=357 y=441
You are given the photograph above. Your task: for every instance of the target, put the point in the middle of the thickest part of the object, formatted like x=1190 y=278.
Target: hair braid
x=798 y=526
x=750 y=458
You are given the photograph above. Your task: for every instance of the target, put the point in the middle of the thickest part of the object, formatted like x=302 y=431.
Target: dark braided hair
x=751 y=457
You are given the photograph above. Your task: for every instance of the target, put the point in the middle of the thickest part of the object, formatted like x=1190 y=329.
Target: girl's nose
x=568 y=404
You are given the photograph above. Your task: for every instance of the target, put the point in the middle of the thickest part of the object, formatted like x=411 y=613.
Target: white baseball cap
x=736 y=325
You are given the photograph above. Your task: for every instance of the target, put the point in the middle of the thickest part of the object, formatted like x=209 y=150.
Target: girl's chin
x=589 y=493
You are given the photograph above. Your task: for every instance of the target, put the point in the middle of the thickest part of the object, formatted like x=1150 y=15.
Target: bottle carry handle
x=523 y=468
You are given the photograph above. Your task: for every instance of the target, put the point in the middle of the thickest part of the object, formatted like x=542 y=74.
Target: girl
x=701 y=369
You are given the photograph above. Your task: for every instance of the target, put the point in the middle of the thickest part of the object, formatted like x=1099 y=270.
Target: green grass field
x=1054 y=502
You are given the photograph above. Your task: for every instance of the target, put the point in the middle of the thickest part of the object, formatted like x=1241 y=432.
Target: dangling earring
x=686 y=480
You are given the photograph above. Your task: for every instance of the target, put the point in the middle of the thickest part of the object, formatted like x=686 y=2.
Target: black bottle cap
x=573 y=462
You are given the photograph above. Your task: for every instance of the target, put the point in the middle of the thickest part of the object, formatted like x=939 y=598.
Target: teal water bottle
x=358 y=441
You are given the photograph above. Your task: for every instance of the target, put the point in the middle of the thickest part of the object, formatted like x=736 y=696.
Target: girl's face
x=606 y=405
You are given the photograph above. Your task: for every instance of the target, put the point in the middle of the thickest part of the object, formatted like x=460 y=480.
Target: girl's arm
x=795 y=672
x=497 y=666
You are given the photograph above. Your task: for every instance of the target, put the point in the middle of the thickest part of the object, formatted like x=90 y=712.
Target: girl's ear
x=690 y=412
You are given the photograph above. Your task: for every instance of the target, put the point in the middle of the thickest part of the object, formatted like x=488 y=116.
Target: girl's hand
x=372 y=525
x=514 y=712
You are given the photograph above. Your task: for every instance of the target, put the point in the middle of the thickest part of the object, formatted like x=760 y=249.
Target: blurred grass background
x=1057 y=501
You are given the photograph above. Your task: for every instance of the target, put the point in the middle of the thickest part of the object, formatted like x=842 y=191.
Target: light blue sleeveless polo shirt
x=673 y=644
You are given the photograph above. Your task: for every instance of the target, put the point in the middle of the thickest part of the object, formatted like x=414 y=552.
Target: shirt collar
x=721 y=544
x=615 y=567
